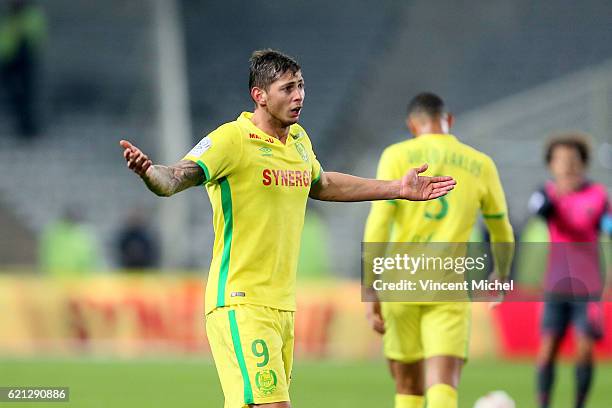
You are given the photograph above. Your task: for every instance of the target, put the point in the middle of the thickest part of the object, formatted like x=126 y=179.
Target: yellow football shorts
x=419 y=331
x=253 y=350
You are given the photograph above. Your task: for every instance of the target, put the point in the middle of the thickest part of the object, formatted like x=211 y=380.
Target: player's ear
x=412 y=125
x=259 y=96
x=450 y=118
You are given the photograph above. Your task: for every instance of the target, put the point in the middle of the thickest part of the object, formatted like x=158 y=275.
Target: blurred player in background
x=22 y=35
x=426 y=344
x=259 y=171
x=575 y=211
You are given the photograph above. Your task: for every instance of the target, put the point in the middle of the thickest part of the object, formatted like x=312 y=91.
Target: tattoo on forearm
x=168 y=180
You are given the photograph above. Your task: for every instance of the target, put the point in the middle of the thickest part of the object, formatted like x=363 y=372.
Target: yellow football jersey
x=449 y=218
x=258 y=188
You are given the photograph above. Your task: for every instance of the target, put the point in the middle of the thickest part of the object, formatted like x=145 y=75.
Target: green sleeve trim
x=316 y=180
x=206 y=172
x=393 y=202
x=228 y=231
x=497 y=216
x=248 y=391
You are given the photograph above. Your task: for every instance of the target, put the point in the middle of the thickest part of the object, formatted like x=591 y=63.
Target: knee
x=409 y=385
x=548 y=351
x=585 y=351
x=444 y=370
x=546 y=356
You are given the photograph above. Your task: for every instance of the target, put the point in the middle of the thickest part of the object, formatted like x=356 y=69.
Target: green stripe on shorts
x=248 y=391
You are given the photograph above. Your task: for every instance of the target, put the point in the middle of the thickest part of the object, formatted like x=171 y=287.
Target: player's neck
x=266 y=122
x=568 y=186
x=432 y=129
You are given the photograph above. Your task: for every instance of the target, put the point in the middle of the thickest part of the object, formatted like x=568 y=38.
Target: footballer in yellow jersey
x=258 y=198
x=433 y=337
x=259 y=171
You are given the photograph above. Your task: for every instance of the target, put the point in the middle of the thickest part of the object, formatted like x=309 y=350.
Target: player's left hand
x=420 y=188
x=374 y=316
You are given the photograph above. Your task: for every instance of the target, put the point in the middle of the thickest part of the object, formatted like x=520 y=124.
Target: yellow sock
x=408 y=401
x=441 y=396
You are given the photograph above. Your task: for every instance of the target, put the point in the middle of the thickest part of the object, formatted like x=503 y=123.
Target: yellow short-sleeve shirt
x=258 y=188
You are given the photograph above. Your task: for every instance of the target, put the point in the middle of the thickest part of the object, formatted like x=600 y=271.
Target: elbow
x=503 y=236
x=500 y=230
x=316 y=196
x=317 y=191
x=163 y=193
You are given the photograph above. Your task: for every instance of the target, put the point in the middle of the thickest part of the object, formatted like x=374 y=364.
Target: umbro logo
x=265 y=151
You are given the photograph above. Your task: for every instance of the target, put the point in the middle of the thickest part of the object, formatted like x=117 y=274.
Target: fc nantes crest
x=265 y=380
x=302 y=151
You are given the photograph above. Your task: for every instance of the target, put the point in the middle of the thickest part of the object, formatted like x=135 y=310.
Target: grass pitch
x=193 y=383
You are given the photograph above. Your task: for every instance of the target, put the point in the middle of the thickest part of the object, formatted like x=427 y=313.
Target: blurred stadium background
x=163 y=73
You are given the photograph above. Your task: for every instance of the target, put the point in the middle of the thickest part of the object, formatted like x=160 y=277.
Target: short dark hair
x=266 y=66
x=428 y=103
x=574 y=140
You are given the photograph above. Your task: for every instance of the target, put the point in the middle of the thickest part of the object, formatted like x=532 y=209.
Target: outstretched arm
x=344 y=187
x=162 y=180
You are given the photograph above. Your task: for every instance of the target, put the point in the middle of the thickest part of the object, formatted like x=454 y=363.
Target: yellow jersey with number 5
x=449 y=218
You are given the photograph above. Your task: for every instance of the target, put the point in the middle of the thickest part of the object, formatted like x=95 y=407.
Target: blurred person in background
x=576 y=210
x=68 y=247
x=136 y=245
x=22 y=34
x=259 y=171
x=426 y=343
x=313 y=261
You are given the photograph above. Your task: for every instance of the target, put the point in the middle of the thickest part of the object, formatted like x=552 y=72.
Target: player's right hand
x=136 y=160
x=497 y=298
x=374 y=316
